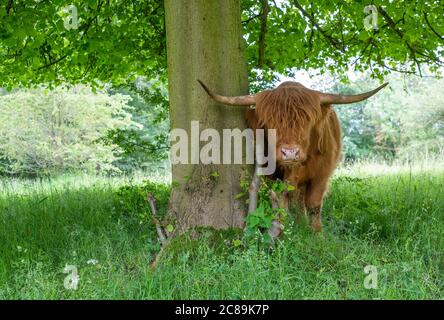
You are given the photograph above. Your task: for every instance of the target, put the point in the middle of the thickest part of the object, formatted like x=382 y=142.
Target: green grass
x=391 y=219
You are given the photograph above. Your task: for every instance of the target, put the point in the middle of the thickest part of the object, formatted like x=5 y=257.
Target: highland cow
x=308 y=146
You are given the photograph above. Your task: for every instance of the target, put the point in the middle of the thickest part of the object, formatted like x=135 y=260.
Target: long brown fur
x=297 y=115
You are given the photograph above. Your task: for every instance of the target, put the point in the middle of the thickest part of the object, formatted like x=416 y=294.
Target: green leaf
x=239 y=195
x=237 y=242
x=215 y=174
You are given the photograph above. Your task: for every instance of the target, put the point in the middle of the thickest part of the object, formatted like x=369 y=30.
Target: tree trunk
x=204 y=41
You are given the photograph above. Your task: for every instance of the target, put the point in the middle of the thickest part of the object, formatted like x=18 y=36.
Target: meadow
x=389 y=217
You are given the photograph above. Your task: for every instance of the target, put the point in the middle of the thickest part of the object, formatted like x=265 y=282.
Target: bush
x=145 y=146
x=47 y=131
x=131 y=201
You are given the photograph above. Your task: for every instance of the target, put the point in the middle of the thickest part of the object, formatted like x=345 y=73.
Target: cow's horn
x=327 y=98
x=232 y=101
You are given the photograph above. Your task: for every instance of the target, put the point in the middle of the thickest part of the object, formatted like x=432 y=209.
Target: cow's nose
x=290 y=153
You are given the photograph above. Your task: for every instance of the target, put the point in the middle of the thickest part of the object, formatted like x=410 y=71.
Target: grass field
x=388 y=217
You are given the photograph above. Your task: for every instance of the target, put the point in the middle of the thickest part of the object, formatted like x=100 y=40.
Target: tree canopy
x=110 y=41
x=332 y=35
x=107 y=41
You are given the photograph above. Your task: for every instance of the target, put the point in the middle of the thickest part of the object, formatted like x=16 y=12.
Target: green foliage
x=147 y=145
x=330 y=36
x=115 y=40
x=409 y=120
x=358 y=130
x=131 y=201
x=46 y=131
x=404 y=121
x=259 y=221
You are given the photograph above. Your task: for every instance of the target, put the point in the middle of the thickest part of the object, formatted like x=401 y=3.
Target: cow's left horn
x=328 y=98
x=232 y=101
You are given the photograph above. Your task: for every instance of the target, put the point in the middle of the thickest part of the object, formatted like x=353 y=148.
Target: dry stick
x=253 y=190
x=160 y=233
x=263 y=17
x=155 y=262
x=276 y=227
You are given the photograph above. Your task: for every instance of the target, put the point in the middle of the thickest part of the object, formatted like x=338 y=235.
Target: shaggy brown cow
x=308 y=146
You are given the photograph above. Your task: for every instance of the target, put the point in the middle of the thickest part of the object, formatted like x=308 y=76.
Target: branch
x=400 y=34
x=277 y=202
x=8 y=6
x=53 y=62
x=431 y=28
x=85 y=28
x=253 y=190
x=159 y=229
x=251 y=18
x=276 y=227
x=160 y=232
x=335 y=43
x=310 y=40
x=392 y=25
x=263 y=19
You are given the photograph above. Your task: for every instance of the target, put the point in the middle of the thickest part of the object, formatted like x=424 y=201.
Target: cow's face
x=292 y=139
x=293 y=112
x=291 y=150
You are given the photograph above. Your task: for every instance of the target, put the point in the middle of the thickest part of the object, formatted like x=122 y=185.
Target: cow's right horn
x=328 y=98
x=231 y=101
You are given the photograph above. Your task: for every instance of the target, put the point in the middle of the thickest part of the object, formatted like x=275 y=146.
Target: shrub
x=46 y=131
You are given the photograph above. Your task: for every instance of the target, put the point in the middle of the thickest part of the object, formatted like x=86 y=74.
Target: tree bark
x=204 y=41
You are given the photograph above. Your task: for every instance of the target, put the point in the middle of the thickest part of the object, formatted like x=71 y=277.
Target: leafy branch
x=413 y=50
x=431 y=27
x=263 y=17
x=334 y=42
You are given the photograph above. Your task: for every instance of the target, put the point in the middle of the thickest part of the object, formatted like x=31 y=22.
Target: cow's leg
x=313 y=200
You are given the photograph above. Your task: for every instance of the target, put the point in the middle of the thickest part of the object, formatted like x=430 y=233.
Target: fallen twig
x=155 y=261
x=277 y=202
x=159 y=229
x=253 y=190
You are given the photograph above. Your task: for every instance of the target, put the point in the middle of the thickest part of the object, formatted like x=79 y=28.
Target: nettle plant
x=271 y=209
